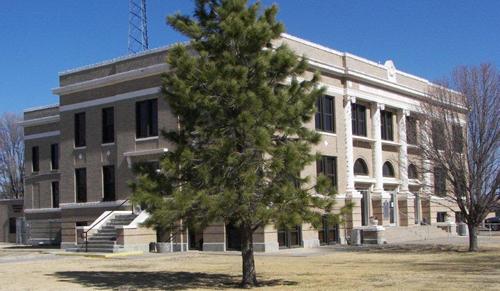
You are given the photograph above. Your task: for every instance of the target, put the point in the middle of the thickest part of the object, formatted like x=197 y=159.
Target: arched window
x=360 y=168
x=387 y=170
x=412 y=172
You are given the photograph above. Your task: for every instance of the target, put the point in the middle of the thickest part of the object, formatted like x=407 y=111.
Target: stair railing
x=116 y=208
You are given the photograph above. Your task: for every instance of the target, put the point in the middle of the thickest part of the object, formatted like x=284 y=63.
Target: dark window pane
x=325 y=115
x=12 y=225
x=35 y=158
x=386 y=125
x=387 y=170
x=439 y=181
x=108 y=173
x=81 y=185
x=80 y=130
x=147 y=118
x=438 y=135
x=154 y=117
x=358 y=117
x=317 y=117
x=54 y=156
x=108 y=125
x=441 y=217
x=289 y=237
x=458 y=139
x=411 y=130
x=412 y=172
x=328 y=233
x=328 y=167
x=360 y=168
x=55 y=194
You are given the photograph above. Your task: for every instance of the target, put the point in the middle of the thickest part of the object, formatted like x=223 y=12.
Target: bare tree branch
x=11 y=157
x=460 y=137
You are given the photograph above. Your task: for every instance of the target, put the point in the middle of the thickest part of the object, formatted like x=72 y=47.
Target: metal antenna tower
x=137 y=27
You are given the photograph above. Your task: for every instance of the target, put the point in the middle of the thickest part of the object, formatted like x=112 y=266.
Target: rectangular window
x=325 y=116
x=358 y=118
x=146 y=117
x=438 y=135
x=386 y=125
x=35 y=159
x=108 y=125
x=439 y=181
x=328 y=167
x=108 y=177
x=12 y=225
x=80 y=130
x=55 y=194
x=289 y=237
x=458 y=139
x=81 y=185
x=441 y=217
x=411 y=130
x=54 y=156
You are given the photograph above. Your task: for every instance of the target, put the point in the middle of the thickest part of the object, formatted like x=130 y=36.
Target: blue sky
x=423 y=37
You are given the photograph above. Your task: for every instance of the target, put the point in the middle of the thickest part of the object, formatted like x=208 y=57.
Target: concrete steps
x=104 y=240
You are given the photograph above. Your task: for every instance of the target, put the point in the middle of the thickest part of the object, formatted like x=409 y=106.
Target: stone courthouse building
x=79 y=155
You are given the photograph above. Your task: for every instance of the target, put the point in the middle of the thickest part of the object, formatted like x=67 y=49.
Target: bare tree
x=460 y=142
x=11 y=156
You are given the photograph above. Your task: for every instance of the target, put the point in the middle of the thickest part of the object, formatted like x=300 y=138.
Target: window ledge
x=362 y=138
x=108 y=144
x=364 y=179
x=80 y=148
x=391 y=180
x=146 y=138
x=390 y=142
x=326 y=133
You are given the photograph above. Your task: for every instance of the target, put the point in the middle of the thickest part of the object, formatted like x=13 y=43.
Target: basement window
x=441 y=217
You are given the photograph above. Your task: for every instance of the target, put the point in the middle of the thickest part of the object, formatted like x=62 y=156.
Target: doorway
x=392 y=208
x=290 y=237
x=195 y=239
x=328 y=233
x=365 y=207
x=233 y=237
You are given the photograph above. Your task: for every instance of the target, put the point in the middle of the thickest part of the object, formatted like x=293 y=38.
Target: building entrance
x=365 y=207
x=233 y=237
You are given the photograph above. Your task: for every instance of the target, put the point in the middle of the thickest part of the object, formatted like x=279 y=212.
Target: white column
x=349 y=151
x=377 y=147
x=403 y=151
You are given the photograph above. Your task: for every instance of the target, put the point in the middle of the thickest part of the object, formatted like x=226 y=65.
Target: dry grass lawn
x=417 y=267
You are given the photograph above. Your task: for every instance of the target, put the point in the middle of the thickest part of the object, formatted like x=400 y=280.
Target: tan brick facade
x=123 y=82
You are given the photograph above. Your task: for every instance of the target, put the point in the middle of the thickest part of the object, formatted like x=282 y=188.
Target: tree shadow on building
x=158 y=280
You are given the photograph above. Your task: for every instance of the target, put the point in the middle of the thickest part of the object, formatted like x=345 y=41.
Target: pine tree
x=241 y=143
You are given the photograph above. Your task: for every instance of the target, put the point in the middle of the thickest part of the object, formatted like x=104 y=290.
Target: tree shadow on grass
x=158 y=280
x=417 y=249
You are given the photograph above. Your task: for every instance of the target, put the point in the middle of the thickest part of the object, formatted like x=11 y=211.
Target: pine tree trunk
x=473 y=244
x=249 y=275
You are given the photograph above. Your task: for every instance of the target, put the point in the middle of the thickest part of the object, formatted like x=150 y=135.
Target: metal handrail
x=116 y=208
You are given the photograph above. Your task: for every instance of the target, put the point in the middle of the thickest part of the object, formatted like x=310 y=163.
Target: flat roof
x=283 y=35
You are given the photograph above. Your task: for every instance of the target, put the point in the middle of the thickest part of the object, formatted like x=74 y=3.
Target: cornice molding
x=112 y=79
x=40 y=121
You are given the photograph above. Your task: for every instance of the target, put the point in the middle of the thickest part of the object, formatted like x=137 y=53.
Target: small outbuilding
x=11 y=210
